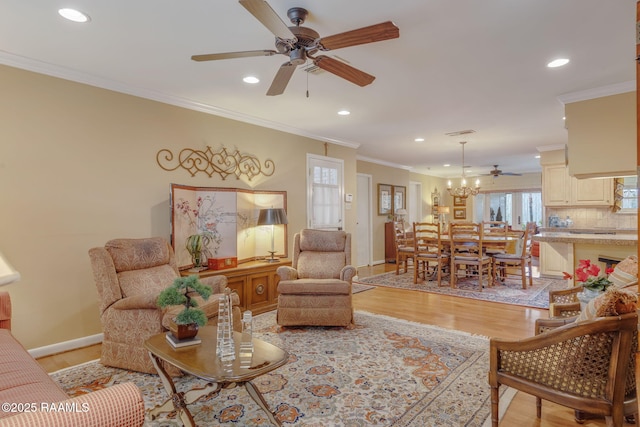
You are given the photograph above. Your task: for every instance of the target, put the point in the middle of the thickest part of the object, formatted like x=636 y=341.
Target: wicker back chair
x=587 y=366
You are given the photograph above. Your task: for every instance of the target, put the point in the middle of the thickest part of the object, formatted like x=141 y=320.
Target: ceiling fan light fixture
x=251 y=80
x=558 y=63
x=74 y=15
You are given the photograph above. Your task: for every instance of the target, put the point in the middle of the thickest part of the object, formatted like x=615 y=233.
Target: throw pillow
x=613 y=302
x=625 y=272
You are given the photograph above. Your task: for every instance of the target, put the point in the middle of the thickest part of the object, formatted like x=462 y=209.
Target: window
x=629 y=194
x=325 y=192
x=516 y=208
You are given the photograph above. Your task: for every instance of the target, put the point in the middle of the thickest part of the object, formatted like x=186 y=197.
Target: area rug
x=359 y=287
x=384 y=372
x=509 y=292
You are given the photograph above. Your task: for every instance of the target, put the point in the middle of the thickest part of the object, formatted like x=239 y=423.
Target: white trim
x=91 y=80
x=61 y=347
x=598 y=92
x=382 y=162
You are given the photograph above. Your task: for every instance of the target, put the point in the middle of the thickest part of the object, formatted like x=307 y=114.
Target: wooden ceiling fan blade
x=343 y=70
x=261 y=10
x=281 y=80
x=229 y=55
x=511 y=174
x=373 y=33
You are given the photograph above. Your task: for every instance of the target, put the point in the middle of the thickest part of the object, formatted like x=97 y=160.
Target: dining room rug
x=384 y=372
x=508 y=292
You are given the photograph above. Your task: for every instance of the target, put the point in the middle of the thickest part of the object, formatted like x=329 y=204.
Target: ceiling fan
x=497 y=172
x=300 y=43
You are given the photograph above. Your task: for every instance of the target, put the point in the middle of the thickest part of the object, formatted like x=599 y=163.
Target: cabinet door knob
x=260 y=289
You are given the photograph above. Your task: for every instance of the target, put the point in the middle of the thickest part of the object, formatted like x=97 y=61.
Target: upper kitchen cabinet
x=560 y=189
x=602 y=133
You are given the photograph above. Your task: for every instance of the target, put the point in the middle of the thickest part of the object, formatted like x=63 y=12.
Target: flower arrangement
x=588 y=275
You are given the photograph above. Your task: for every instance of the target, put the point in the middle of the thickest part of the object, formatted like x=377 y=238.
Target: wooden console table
x=256 y=283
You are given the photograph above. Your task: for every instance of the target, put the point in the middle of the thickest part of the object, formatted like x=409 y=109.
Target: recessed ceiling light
x=446 y=165
x=344 y=112
x=537 y=156
x=558 y=62
x=74 y=15
x=419 y=140
x=251 y=80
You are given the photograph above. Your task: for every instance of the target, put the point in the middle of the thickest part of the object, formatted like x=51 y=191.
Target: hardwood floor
x=477 y=317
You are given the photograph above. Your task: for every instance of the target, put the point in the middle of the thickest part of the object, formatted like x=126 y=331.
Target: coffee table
x=201 y=361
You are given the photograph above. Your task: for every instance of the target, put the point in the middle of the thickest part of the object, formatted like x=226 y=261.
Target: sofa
x=30 y=398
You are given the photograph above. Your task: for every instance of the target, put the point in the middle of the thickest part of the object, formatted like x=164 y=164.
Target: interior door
x=364 y=231
x=325 y=189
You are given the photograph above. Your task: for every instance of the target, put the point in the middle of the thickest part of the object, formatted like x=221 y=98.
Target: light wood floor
x=477 y=317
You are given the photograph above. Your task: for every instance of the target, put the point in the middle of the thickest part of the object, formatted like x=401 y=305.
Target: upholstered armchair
x=316 y=289
x=129 y=275
x=587 y=366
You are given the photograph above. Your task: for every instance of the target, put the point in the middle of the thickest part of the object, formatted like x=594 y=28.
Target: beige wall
x=78 y=167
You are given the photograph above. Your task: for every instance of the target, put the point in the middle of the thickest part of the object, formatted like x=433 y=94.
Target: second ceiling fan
x=300 y=43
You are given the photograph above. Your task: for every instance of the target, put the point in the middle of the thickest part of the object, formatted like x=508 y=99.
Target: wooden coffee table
x=201 y=361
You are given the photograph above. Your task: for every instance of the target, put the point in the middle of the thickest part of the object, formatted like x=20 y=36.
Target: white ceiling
x=458 y=64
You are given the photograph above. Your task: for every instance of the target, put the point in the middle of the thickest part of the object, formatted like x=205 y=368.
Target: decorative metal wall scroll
x=215 y=162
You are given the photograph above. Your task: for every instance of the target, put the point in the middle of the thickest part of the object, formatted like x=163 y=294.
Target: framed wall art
x=459 y=213
x=459 y=201
x=399 y=198
x=385 y=199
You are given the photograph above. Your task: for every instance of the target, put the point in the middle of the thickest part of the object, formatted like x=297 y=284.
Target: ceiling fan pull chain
x=307 y=81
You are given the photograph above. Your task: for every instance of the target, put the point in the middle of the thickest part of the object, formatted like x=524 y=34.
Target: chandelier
x=463 y=191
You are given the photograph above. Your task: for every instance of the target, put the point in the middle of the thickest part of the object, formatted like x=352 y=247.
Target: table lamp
x=272 y=217
x=442 y=211
x=7 y=273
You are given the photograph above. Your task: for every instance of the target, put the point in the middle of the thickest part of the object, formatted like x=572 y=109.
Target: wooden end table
x=201 y=361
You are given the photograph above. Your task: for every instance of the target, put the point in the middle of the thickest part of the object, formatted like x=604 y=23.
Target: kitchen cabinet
x=556 y=186
x=555 y=258
x=560 y=189
x=255 y=282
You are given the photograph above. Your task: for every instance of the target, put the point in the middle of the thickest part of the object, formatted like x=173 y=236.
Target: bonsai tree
x=178 y=294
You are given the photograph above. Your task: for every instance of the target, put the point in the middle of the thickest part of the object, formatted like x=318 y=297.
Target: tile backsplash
x=595 y=217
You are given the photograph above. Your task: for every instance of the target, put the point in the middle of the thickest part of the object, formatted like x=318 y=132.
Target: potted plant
x=186 y=323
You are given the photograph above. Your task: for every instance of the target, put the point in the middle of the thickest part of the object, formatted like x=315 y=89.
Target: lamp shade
x=401 y=212
x=443 y=209
x=272 y=216
x=7 y=273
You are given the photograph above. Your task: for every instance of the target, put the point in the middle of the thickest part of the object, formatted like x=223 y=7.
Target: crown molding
x=598 y=92
x=39 y=67
x=382 y=162
x=551 y=147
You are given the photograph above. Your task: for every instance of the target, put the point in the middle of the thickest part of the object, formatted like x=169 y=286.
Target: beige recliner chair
x=129 y=275
x=316 y=289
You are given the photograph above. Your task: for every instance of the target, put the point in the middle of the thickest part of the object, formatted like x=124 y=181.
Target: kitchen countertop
x=597 y=237
x=594 y=230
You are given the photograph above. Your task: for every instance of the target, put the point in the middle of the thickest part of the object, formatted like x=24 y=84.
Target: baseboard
x=61 y=347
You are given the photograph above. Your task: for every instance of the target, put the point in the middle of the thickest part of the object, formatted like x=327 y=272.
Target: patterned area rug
x=510 y=292
x=385 y=372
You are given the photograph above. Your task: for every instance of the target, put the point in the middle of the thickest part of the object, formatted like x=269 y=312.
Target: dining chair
x=430 y=257
x=517 y=264
x=498 y=231
x=404 y=247
x=467 y=250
